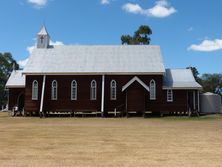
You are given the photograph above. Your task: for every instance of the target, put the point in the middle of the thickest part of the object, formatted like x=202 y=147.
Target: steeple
x=43 y=38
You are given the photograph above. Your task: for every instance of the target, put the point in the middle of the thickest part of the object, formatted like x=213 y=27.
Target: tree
x=140 y=37
x=6 y=66
x=212 y=83
x=195 y=74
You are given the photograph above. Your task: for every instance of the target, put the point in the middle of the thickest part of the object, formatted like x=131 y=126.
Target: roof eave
x=93 y=73
x=181 y=88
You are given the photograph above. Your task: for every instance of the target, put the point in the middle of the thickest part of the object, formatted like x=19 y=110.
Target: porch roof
x=180 y=79
x=16 y=80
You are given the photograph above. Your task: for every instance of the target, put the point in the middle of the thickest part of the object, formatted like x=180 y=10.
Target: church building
x=100 y=78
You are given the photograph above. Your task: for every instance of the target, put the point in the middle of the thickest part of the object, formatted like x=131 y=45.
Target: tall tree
x=212 y=83
x=140 y=37
x=195 y=74
x=7 y=63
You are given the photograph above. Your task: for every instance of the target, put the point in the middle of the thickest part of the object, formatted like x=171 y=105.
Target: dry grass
x=168 y=142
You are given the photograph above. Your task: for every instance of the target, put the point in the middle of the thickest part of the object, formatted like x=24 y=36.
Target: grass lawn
x=136 y=142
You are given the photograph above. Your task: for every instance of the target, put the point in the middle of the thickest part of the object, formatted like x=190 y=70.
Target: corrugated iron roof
x=180 y=79
x=16 y=80
x=76 y=59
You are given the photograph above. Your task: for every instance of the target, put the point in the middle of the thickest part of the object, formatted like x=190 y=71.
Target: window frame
x=35 y=90
x=113 y=89
x=93 y=90
x=153 y=88
x=54 y=90
x=72 y=89
x=169 y=95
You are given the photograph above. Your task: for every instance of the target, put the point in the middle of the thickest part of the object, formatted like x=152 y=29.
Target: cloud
x=38 y=3
x=30 y=49
x=160 y=10
x=56 y=43
x=207 y=45
x=22 y=63
x=105 y=2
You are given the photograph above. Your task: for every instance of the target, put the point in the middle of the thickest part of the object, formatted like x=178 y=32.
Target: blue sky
x=188 y=31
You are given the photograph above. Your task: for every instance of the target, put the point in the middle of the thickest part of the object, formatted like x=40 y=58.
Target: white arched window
x=169 y=95
x=152 y=90
x=113 y=90
x=35 y=90
x=74 y=90
x=54 y=90
x=93 y=90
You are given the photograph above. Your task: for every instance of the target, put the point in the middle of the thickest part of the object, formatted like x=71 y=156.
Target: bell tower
x=43 y=38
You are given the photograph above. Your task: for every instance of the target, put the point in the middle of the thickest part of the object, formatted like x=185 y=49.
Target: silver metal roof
x=16 y=80
x=180 y=79
x=98 y=59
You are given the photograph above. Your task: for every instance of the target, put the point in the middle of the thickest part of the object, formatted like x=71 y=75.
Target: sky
x=189 y=32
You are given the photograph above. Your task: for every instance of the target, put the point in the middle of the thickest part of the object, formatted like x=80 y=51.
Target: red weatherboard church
x=100 y=78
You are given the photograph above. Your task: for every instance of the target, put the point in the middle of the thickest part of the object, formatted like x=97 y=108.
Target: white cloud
x=22 y=63
x=56 y=43
x=161 y=9
x=207 y=45
x=133 y=8
x=104 y=2
x=30 y=49
x=38 y=3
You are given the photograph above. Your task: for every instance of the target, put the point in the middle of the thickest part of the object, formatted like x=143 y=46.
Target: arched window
x=152 y=90
x=169 y=95
x=35 y=90
x=74 y=90
x=54 y=90
x=113 y=90
x=93 y=90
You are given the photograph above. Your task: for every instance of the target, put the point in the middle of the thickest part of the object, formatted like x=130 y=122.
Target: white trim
x=76 y=90
x=198 y=100
x=182 y=88
x=15 y=86
x=153 y=96
x=35 y=90
x=93 y=73
x=113 y=96
x=194 y=100
x=133 y=80
x=52 y=90
x=93 y=88
x=169 y=95
x=103 y=92
x=43 y=92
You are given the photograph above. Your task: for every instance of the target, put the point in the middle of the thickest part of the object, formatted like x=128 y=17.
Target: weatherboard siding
x=83 y=101
x=14 y=94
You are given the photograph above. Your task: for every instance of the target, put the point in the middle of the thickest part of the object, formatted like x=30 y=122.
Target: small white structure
x=210 y=103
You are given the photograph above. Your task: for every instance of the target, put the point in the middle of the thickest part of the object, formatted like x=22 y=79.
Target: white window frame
x=35 y=90
x=74 y=87
x=169 y=95
x=54 y=91
x=113 y=88
x=93 y=90
x=152 y=90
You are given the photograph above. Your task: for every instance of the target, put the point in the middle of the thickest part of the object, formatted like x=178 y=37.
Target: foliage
x=195 y=74
x=140 y=37
x=6 y=66
x=212 y=83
